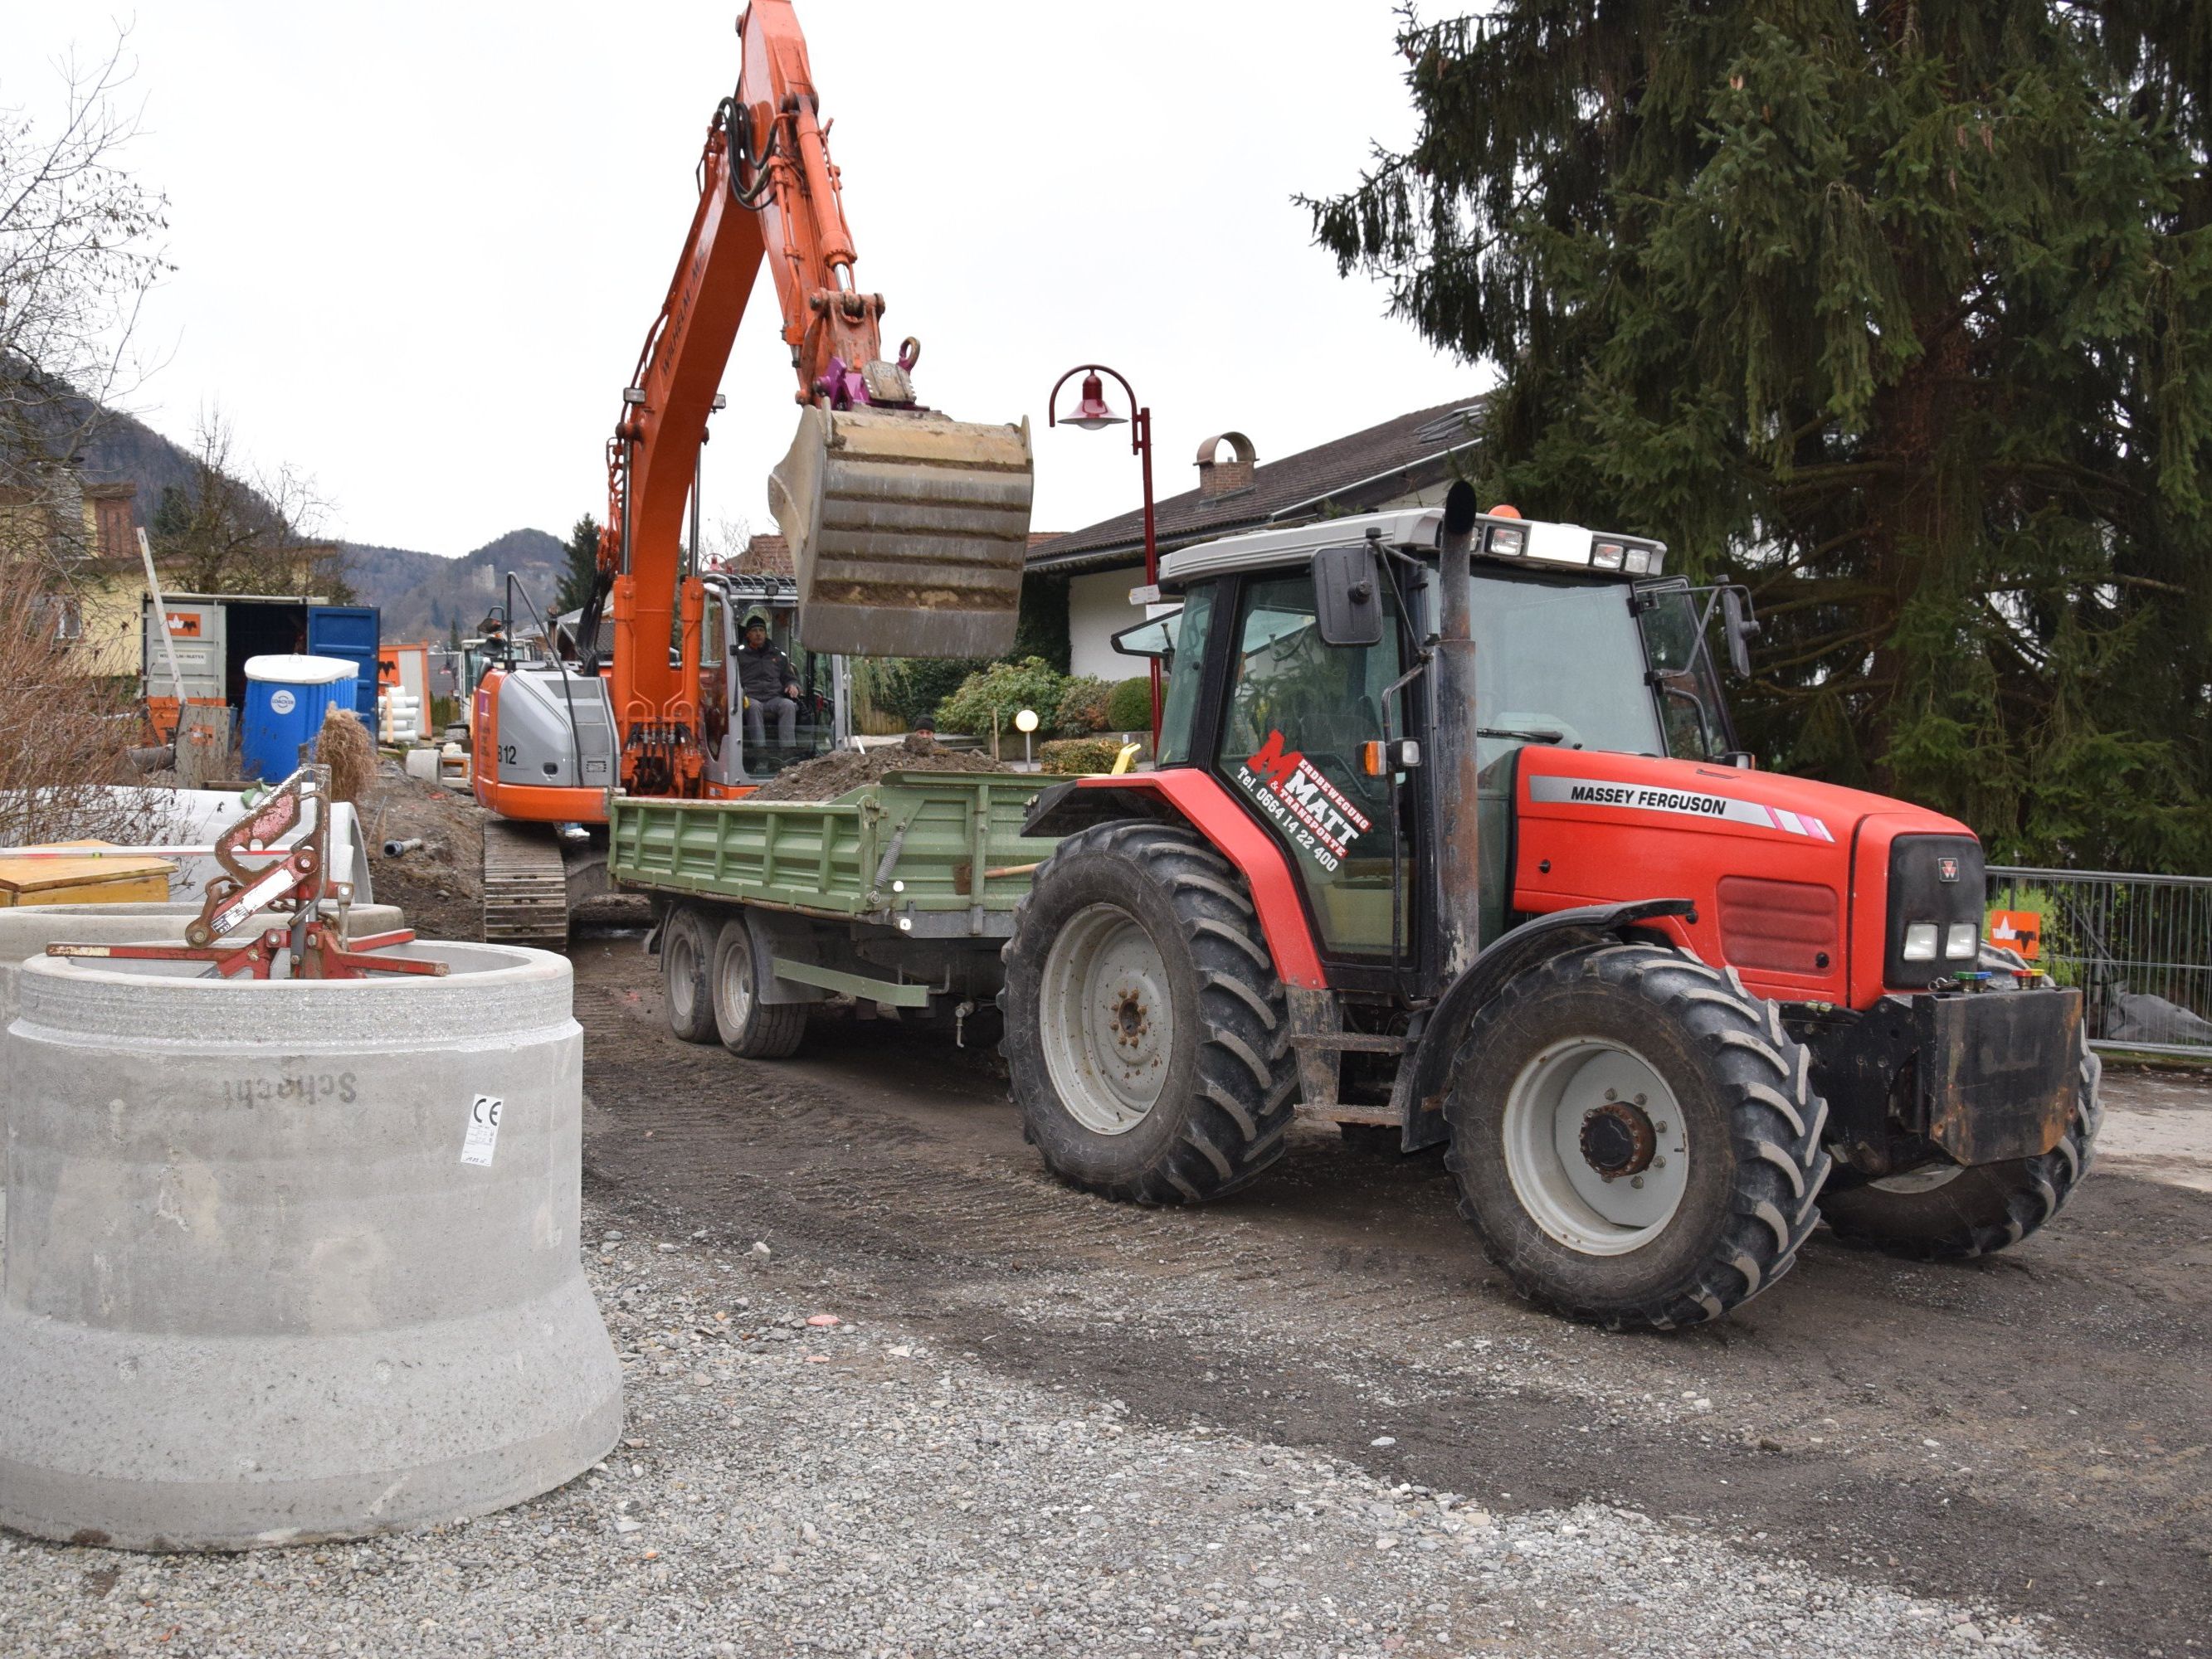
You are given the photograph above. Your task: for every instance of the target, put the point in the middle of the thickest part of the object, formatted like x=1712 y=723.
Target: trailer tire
x=1978 y=1210
x=1147 y=1034
x=749 y=1028
x=1666 y=1199
x=687 y=973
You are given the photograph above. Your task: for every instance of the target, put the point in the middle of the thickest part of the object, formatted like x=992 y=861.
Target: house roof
x=1350 y=474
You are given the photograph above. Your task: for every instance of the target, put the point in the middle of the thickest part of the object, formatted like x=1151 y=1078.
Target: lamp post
x=1093 y=414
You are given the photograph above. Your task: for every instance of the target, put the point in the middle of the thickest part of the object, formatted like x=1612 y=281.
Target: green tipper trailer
x=899 y=892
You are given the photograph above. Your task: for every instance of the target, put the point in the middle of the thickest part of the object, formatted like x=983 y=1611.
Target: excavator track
x=526 y=887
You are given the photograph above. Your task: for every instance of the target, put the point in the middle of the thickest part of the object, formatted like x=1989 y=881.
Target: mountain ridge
x=422 y=595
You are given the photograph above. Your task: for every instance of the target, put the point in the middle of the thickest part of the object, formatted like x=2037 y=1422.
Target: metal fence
x=2140 y=948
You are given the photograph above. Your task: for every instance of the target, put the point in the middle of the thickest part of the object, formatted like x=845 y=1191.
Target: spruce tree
x=583 y=551
x=1899 y=312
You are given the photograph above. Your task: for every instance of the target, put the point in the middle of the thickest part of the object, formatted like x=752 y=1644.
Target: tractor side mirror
x=1347 y=596
x=1739 y=628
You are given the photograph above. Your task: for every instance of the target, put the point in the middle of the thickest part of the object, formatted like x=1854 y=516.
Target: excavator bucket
x=908 y=531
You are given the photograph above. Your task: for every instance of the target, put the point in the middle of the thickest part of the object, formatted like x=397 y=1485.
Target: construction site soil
x=892 y=1392
x=2027 y=1432
x=440 y=884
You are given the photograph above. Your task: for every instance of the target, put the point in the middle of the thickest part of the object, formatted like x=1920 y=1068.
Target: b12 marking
x=482 y=1137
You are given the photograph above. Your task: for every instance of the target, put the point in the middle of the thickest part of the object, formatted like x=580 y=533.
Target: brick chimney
x=1218 y=477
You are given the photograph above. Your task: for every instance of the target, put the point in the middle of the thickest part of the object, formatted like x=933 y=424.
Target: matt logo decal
x=1946 y=869
x=1314 y=813
x=183 y=626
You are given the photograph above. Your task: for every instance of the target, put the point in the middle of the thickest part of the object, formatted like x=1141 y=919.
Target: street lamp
x=1093 y=414
x=1026 y=722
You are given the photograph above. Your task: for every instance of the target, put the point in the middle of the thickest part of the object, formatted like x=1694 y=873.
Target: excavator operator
x=770 y=684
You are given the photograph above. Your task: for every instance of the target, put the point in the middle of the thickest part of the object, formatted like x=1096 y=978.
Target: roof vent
x=1218 y=477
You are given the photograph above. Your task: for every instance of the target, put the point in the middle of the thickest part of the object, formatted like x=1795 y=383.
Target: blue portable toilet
x=285 y=697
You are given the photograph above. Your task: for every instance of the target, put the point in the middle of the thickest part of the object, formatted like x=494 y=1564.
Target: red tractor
x=1451 y=833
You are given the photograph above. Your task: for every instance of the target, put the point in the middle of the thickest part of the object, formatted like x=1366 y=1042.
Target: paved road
x=2030 y=1430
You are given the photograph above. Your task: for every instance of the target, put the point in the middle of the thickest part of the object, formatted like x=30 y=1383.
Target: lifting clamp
x=293 y=879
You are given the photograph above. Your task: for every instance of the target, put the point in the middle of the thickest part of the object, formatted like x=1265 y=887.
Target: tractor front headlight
x=1963 y=942
x=1919 y=941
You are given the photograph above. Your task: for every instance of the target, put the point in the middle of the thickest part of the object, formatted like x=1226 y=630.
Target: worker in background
x=770 y=684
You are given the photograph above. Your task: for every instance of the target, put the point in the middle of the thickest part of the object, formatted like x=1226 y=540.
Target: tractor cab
x=1295 y=674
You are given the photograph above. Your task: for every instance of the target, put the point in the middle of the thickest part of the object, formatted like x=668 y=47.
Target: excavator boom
x=907 y=529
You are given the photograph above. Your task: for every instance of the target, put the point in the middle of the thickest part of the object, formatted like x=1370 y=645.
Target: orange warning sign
x=2017 y=930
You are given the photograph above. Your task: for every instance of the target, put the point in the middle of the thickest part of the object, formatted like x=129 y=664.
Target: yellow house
x=90 y=532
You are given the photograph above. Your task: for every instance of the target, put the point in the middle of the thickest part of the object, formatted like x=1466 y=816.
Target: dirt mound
x=439 y=884
x=829 y=776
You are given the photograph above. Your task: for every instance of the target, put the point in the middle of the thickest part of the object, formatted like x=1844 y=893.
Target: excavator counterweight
x=908 y=531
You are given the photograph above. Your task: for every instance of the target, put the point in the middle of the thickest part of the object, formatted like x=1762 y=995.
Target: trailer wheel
x=1947 y=1213
x=687 y=973
x=1147 y=1036
x=1635 y=1137
x=749 y=1027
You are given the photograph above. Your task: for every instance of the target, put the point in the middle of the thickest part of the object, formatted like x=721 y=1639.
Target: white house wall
x=1097 y=609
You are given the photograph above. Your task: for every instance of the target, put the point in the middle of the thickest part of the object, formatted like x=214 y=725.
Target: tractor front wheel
x=1635 y=1137
x=1147 y=1038
x=1945 y=1213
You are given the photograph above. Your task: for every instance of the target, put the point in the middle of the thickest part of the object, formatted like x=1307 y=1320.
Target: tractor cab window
x=1683 y=674
x=1299 y=712
x=1558 y=661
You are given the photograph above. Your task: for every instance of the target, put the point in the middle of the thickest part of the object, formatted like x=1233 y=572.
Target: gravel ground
x=785 y=1487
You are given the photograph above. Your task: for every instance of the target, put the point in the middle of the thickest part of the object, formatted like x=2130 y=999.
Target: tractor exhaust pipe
x=1457 y=866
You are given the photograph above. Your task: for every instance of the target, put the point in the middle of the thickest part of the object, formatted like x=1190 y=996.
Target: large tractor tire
x=1635 y=1138
x=1952 y=1214
x=1146 y=1031
x=687 y=973
x=748 y=1027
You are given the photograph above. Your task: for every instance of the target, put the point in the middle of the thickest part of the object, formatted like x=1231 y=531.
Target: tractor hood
x=1789 y=876
x=1717 y=798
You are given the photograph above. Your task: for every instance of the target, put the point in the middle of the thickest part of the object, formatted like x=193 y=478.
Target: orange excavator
x=908 y=530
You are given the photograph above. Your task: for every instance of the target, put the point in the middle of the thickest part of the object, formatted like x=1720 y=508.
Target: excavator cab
x=751 y=730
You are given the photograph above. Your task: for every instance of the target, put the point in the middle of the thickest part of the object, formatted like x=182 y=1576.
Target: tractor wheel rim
x=1595 y=1146
x=1926 y=1179
x=1105 y=1019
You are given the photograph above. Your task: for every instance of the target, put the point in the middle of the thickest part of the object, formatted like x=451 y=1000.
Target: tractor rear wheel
x=1635 y=1137
x=748 y=1027
x=1947 y=1213
x=687 y=973
x=1147 y=1036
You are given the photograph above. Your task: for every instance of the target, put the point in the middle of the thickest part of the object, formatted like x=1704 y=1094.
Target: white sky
x=418 y=246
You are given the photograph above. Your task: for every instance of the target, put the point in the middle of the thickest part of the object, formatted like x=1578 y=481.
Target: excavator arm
x=908 y=530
